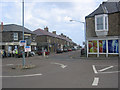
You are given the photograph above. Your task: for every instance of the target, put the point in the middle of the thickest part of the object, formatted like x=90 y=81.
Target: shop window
x=113 y=46
x=92 y=45
x=102 y=46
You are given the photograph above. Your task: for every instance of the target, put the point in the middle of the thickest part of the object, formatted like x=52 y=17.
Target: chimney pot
x=46 y=29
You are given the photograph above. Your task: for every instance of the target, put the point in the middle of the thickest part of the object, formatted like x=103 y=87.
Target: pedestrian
x=16 y=53
x=2 y=53
x=10 y=53
x=13 y=52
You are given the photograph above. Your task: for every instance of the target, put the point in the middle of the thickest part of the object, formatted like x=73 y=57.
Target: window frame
x=105 y=22
x=15 y=36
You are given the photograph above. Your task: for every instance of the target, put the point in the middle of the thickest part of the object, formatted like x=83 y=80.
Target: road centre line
x=94 y=69
x=30 y=75
x=95 y=82
x=105 y=68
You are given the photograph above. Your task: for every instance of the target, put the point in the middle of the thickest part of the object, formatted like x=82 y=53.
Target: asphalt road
x=60 y=71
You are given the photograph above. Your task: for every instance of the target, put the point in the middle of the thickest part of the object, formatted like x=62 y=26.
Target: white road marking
x=105 y=68
x=30 y=75
x=109 y=72
x=94 y=69
x=95 y=82
x=62 y=65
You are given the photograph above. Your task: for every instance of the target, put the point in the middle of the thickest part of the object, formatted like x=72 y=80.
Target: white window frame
x=15 y=36
x=102 y=15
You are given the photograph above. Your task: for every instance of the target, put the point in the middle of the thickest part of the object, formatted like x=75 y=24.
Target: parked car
x=59 y=51
x=41 y=52
x=73 y=49
x=82 y=51
x=65 y=50
x=69 y=49
x=32 y=53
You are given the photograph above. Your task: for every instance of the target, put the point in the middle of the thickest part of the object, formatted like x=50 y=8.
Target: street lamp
x=84 y=31
x=23 y=30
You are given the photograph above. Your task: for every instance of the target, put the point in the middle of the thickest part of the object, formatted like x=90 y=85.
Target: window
x=113 y=46
x=101 y=22
x=92 y=45
x=15 y=36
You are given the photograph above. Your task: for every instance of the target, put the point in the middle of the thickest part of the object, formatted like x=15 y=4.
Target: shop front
x=103 y=47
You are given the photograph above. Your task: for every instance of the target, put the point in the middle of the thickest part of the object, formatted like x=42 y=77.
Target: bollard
x=43 y=53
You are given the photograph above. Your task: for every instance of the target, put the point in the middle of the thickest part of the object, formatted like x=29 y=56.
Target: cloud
x=56 y=16
x=67 y=18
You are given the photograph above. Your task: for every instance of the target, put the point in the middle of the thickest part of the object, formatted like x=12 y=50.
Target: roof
x=45 y=33
x=106 y=8
x=14 y=27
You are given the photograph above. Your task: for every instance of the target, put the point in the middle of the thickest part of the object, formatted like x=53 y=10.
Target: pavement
x=60 y=71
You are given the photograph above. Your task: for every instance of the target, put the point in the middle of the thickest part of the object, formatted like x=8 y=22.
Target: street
x=61 y=71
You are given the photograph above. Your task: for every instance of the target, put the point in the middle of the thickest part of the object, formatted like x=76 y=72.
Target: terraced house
x=12 y=34
x=103 y=30
x=51 y=41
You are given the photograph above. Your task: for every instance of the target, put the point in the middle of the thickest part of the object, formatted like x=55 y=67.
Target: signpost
x=27 y=48
x=22 y=42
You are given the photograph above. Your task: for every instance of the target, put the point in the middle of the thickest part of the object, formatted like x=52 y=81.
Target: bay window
x=101 y=22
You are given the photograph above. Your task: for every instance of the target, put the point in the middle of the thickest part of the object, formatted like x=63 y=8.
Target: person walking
x=16 y=52
x=13 y=52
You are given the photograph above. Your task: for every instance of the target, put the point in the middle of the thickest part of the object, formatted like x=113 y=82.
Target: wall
x=113 y=24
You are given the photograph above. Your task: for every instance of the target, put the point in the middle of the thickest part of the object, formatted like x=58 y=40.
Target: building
x=51 y=41
x=12 y=34
x=103 y=30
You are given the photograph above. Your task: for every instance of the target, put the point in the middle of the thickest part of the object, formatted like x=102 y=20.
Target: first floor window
x=15 y=36
x=101 y=22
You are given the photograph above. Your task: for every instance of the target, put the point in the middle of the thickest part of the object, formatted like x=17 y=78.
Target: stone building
x=51 y=41
x=12 y=34
x=103 y=30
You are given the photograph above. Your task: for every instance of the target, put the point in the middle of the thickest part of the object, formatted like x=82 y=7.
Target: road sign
x=27 y=48
x=22 y=42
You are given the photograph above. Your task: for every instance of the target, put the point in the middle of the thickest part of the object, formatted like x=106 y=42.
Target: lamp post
x=84 y=32
x=23 y=31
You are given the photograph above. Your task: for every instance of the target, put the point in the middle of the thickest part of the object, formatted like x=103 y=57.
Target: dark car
x=73 y=49
x=82 y=51
x=59 y=51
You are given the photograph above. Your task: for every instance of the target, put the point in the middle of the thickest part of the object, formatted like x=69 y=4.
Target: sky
x=55 y=14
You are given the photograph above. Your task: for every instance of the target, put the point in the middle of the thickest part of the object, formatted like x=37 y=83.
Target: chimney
x=46 y=29
x=54 y=32
x=61 y=34
x=1 y=26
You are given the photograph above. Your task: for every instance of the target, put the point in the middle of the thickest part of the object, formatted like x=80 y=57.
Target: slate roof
x=14 y=27
x=106 y=8
x=45 y=33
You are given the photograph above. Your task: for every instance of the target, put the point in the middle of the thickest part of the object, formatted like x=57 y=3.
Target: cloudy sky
x=52 y=13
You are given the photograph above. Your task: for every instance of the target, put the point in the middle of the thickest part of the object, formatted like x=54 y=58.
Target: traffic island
x=23 y=67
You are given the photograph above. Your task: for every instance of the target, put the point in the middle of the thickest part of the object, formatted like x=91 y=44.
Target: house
x=51 y=41
x=12 y=34
x=103 y=30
